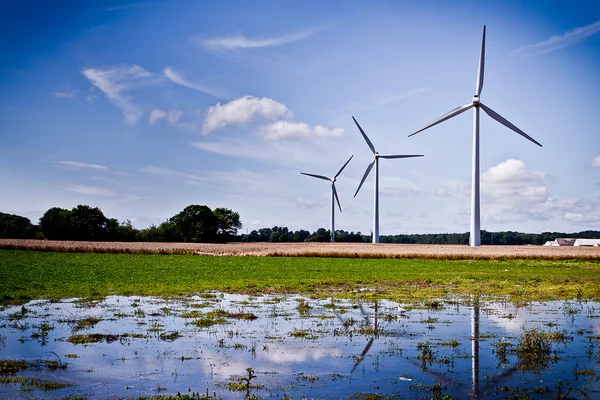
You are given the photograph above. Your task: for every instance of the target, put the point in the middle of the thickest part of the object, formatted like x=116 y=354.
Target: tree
x=55 y=224
x=196 y=224
x=228 y=222
x=88 y=223
x=15 y=227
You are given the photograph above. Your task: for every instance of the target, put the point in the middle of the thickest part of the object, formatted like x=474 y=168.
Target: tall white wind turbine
x=476 y=104
x=375 y=162
x=334 y=195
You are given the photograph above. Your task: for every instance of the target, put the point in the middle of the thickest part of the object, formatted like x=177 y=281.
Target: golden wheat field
x=352 y=250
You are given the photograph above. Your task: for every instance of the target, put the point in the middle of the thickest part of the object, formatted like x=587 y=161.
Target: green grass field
x=26 y=275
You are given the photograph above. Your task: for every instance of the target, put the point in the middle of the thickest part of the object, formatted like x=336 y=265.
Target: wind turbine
x=375 y=162
x=334 y=196
x=476 y=104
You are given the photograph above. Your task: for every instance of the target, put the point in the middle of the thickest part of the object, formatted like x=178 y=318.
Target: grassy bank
x=26 y=275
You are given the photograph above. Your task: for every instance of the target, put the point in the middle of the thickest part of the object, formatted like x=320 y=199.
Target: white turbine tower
x=375 y=162
x=476 y=104
x=334 y=196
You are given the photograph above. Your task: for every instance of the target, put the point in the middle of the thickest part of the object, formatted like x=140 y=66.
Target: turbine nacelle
x=476 y=101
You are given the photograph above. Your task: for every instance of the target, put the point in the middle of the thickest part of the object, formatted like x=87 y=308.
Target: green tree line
x=195 y=223
x=198 y=223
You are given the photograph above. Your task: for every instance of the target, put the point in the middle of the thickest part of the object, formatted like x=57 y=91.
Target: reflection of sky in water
x=340 y=356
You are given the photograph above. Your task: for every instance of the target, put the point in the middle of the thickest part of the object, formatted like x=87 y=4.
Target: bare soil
x=353 y=250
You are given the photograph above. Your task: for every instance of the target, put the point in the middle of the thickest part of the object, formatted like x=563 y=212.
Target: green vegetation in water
x=28 y=384
x=27 y=275
x=101 y=337
x=206 y=322
x=452 y=343
x=89 y=322
x=534 y=349
x=302 y=334
x=8 y=367
x=169 y=336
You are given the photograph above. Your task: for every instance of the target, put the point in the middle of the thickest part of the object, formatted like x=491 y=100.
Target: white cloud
x=65 y=94
x=158 y=114
x=454 y=188
x=178 y=79
x=557 y=42
x=90 y=190
x=574 y=217
x=510 y=181
x=292 y=130
x=116 y=82
x=303 y=203
x=596 y=161
x=241 y=111
x=80 y=165
x=174 y=116
x=237 y=42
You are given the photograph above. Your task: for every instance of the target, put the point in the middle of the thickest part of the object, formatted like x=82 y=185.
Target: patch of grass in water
x=452 y=343
x=28 y=384
x=89 y=322
x=206 y=322
x=170 y=336
x=302 y=334
x=100 y=337
x=369 y=396
x=534 y=349
x=9 y=367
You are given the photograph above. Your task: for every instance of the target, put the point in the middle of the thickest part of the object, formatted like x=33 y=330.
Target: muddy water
x=302 y=348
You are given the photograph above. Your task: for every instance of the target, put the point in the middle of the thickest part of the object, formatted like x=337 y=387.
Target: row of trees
x=198 y=223
x=195 y=223
x=282 y=234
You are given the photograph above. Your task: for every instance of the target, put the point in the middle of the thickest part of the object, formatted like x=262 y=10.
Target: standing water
x=236 y=346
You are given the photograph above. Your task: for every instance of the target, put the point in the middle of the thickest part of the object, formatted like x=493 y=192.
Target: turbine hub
x=476 y=101
x=376 y=155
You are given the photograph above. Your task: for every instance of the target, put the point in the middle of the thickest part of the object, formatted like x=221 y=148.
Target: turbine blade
x=341 y=169
x=316 y=176
x=365 y=176
x=336 y=197
x=365 y=136
x=506 y=123
x=362 y=355
x=481 y=66
x=398 y=156
x=448 y=115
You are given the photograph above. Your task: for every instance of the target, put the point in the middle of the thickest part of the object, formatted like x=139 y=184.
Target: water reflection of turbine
x=491 y=381
x=372 y=339
x=475 y=348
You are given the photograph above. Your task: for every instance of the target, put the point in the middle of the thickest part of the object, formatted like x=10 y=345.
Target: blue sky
x=143 y=108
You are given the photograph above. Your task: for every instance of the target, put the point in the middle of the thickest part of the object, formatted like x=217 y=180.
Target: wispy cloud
x=557 y=42
x=240 y=42
x=241 y=111
x=596 y=161
x=90 y=190
x=158 y=114
x=80 y=165
x=282 y=130
x=177 y=78
x=131 y=6
x=116 y=82
x=64 y=94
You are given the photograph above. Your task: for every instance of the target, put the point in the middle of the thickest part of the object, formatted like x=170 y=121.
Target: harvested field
x=346 y=250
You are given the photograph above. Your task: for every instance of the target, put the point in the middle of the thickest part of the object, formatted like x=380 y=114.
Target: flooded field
x=238 y=346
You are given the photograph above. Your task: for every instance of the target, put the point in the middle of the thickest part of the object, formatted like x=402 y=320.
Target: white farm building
x=573 y=242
